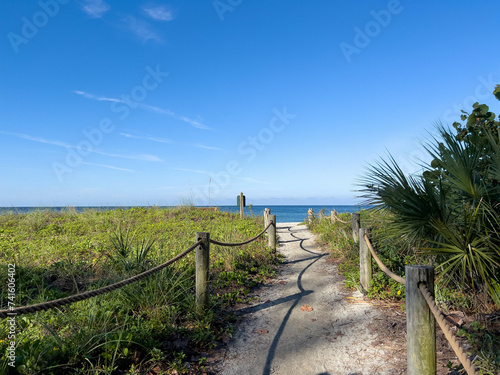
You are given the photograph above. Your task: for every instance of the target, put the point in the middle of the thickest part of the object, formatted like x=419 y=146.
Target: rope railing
x=421 y=340
x=382 y=266
x=455 y=345
x=438 y=315
x=92 y=293
x=215 y=242
x=341 y=221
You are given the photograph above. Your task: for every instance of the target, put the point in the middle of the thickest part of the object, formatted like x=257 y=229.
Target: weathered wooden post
x=333 y=213
x=271 y=233
x=321 y=214
x=310 y=215
x=355 y=226
x=420 y=322
x=365 y=261
x=202 y=269
x=267 y=212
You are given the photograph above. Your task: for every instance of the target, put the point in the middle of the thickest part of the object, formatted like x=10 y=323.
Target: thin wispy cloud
x=169 y=141
x=159 y=13
x=37 y=139
x=95 y=8
x=194 y=123
x=153 y=139
x=142 y=157
x=163 y=111
x=94 y=97
x=109 y=167
x=141 y=28
x=190 y=121
x=207 y=147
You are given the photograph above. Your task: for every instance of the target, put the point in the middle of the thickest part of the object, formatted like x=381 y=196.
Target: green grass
x=149 y=324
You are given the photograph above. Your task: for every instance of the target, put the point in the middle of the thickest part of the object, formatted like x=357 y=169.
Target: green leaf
x=496 y=92
x=483 y=109
x=471 y=120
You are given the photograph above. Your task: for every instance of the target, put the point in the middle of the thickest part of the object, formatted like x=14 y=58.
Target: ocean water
x=284 y=214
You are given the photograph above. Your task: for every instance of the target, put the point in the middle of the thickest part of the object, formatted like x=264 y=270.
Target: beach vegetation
x=150 y=325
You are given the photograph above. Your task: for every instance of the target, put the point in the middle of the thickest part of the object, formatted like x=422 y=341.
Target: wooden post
x=420 y=322
x=321 y=214
x=202 y=268
x=355 y=226
x=310 y=215
x=242 y=214
x=365 y=261
x=271 y=233
x=333 y=213
x=267 y=212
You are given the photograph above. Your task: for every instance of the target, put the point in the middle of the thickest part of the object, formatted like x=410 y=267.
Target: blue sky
x=108 y=102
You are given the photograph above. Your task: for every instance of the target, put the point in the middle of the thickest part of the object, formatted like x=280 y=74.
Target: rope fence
x=382 y=266
x=421 y=335
x=201 y=274
x=421 y=352
x=244 y=242
x=339 y=220
x=455 y=345
x=92 y=293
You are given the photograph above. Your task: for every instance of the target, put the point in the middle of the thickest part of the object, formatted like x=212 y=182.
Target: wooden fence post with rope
x=271 y=232
x=365 y=261
x=420 y=322
x=321 y=215
x=202 y=270
x=202 y=247
x=310 y=215
x=355 y=226
x=267 y=212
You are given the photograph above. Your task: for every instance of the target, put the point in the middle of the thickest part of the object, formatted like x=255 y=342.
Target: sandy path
x=278 y=335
